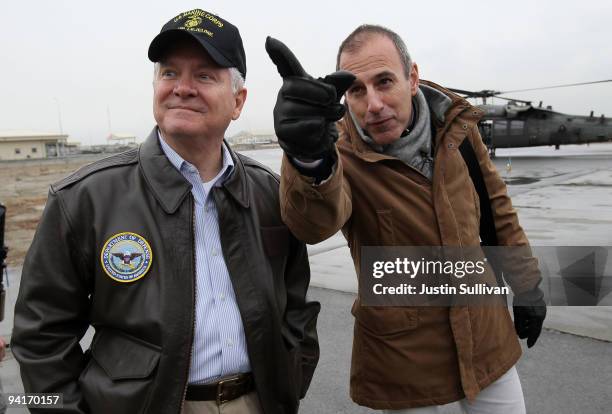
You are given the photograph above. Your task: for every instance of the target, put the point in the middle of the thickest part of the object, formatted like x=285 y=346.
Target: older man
x=176 y=254
x=396 y=178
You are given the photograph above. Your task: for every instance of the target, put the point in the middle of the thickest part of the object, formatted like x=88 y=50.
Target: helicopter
x=518 y=123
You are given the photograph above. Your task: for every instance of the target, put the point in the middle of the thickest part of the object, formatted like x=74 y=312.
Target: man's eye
x=355 y=90
x=205 y=76
x=167 y=74
x=386 y=81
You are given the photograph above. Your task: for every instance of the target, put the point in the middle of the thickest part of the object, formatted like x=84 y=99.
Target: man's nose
x=375 y=103
x=184 y=87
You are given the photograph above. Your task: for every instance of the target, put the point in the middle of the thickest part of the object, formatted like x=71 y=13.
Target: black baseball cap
x=220 y=38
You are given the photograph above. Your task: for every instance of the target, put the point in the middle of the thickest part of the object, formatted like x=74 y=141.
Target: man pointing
x=395 y=178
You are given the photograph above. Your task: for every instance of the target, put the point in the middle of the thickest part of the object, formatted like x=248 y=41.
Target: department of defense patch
x=126 y=257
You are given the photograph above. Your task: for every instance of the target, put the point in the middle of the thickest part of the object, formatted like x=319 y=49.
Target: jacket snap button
x=451 y=145
x=464 y=126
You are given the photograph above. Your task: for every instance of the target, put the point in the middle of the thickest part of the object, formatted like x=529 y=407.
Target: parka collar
x=459 y=107
x=168 y=185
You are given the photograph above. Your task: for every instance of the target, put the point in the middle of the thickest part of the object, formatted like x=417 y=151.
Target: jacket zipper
x=193 y=249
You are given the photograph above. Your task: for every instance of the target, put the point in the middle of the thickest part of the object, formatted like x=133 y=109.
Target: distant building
x=21 y=145
x=250 y=138
x=121 y=139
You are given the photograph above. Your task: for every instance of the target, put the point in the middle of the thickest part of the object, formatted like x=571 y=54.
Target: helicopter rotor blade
x=557 y=86
x=513 y=100
x=463 y=92
x=485 y=93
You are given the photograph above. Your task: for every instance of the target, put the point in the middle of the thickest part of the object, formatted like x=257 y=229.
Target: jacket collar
x=459 y=107
x=168 y=185
x=237 y=184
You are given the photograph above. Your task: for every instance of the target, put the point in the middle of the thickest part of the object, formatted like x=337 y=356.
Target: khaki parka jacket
x=414 y=356
x=140 y=355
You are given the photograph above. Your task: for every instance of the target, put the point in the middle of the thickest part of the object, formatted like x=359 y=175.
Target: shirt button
x=230 y=343
x=214 y=252
x=222 y=296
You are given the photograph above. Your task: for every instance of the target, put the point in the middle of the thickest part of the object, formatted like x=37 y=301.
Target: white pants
x=504 y=396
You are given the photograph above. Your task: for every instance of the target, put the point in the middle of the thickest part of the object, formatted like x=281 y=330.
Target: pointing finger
x=341 y=80
x=284 y=59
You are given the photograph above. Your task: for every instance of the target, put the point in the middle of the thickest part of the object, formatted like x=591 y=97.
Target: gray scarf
x=414 y=146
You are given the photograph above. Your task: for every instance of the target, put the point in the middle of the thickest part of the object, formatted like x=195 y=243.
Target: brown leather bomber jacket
x=140 y=355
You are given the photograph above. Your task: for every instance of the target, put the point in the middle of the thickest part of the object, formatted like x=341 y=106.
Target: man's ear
x=414 y=79
x=240 y=98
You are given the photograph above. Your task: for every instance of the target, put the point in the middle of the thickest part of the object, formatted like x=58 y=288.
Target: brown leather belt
x=223 y=391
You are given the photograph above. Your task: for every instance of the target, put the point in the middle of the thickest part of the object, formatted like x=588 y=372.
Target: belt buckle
x=220 y=400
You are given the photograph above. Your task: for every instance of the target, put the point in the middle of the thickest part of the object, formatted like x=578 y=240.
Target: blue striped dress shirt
x=219 y=343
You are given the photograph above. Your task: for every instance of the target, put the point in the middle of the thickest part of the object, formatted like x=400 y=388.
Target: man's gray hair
x=358 y=37
x=236 y=77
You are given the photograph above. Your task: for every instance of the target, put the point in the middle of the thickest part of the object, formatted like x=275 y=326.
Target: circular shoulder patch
x=126 y=257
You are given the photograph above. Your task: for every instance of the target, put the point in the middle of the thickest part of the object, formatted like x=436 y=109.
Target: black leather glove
x=529 y=313
x=306 y=108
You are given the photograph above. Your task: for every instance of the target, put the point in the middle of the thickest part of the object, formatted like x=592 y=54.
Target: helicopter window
x=516 y=127
x=500 y=126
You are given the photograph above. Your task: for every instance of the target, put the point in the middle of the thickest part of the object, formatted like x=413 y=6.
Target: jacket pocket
x=120 y=375
x=385 y=321
x=275 y=240
x=386 y=229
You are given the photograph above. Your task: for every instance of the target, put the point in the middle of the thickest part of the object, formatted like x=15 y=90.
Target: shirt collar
x=183 y=166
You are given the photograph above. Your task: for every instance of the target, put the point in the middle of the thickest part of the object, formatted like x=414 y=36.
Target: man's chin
x=181 y=131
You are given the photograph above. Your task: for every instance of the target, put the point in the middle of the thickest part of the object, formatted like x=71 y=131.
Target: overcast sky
x=83 y=57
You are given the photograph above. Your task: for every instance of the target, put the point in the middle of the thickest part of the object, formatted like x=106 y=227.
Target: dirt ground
x=23 y=191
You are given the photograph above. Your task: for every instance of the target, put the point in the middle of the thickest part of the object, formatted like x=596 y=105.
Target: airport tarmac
x=563 y=198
